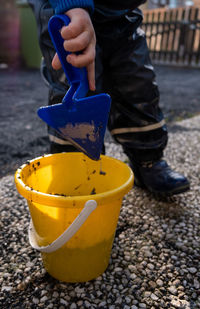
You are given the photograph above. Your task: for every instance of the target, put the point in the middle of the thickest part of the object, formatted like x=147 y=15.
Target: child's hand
x=79 y=35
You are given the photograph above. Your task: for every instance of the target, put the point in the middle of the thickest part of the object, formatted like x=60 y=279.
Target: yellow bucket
x=74 y=204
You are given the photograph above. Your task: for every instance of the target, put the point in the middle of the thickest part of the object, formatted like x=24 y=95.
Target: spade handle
x=74 y=75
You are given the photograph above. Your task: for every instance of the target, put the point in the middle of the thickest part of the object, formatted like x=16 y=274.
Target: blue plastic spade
x=79 y=119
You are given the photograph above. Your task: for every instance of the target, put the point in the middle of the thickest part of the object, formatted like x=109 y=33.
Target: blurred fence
x=173 y=35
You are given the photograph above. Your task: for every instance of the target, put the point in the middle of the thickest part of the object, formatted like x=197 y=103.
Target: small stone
x=108 y=288
x=6 y=275
x=147 y=294
x=118 y=300
x=127 y=300
x=176 y=282
x=165 y=227
x=159 y=282
x=132 y=268
x=196 y=284
x=192 y=270
x=64 y=302
x=150 y=266
x=142 y=305
x=172 y=289
x=35 y=300
x=43 y=292
x=29 y=264
x=73 y=306
x=21 y=286
x=43 y=299
x=6 y=288
x=79 y=303
x=55 y=294
x=152 y=284
x=79 y=290
x=102 y=304
x=177 y=303
x=154 y=297
x=133 y=276
x=179 y=244
x=99 y=293
x=87 y=304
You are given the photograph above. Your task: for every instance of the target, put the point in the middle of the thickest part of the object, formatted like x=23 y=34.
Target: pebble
x=55 y=294
x=64 y=302
x=128 y=300
x=159 y=282
x=154 y=297
x=147 y=294
x=6 y=288
x=43 y=299
x=118 y=301
x=152 y=284
x=196 y=284
x=102 y=304
x=35 y=300
x=118 y=269
x=79 y=290
x=177 y=303
x=43 y=292
x=192 y=270
x=172 y=289
x=142 y=305
x=87 y=304
x=150 y=266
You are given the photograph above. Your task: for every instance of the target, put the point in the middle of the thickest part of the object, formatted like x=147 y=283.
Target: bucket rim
x=66 y=201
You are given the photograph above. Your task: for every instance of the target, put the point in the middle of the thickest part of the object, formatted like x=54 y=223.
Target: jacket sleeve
x=61 y=6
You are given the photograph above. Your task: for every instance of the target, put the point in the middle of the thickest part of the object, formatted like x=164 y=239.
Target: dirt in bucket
x=101 y=172
x=93 y=191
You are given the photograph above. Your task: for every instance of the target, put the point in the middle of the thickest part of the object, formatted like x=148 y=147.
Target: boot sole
x=172 y=192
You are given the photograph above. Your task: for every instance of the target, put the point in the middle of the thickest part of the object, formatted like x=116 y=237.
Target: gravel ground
x=155 y=261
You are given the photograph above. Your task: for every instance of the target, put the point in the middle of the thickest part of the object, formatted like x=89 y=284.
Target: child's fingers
x=83 y=59
x=91 y=76
x=56 y=62
x=77 y=44
x=73 y=29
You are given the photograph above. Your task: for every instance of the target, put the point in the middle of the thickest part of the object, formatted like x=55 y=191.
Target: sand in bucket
x=70 y=194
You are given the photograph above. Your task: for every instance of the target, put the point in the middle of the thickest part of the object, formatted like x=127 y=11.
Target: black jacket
x=114 y=9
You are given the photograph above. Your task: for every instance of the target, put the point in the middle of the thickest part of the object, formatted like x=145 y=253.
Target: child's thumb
x=56 y=62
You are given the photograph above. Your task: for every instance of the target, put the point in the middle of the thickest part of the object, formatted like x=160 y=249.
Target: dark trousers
x=124 y=70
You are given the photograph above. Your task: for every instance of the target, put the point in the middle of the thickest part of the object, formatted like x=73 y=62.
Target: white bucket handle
x=67 y=234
